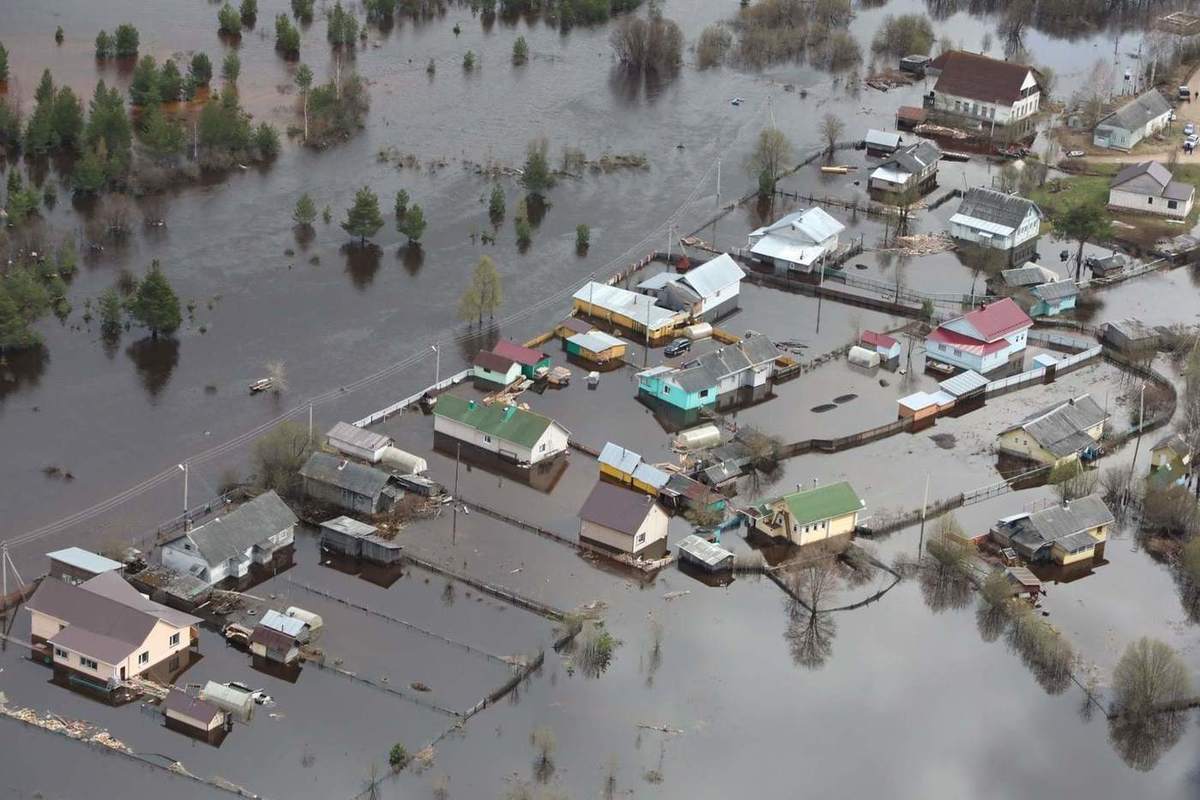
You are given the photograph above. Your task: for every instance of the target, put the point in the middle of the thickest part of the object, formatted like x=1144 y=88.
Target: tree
x=229 y=21
x=201 y=69
x=496 y=205
x=398 y=757
x=304 y=79
x=831 y=130
x=1084 y=223
x=66 y=119
x=1149 y=678
x=904 y=35
x=170 y=82
x=15 y=333
x=583 y=238
x=163 y=138
x=110 y=314
x=278 y=456
x=363 y=218
x=469 y=61
x=401 y=204
x=343 y=27
x=412 y=224
x=125 y=42
x=89 y=176
x=249 y=11
x=287 y=37
x=483 y=294
x=155 y=305
x=520 y=51
x=3 y=64
x=144 y=87
x=536 y=176
x=305 y=212
x=106 y=46
x=231 y=68
x=302 y=10
x=767 y=162
x=108 y=132
x=653 y=45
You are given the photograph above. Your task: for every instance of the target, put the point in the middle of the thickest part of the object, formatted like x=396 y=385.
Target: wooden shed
x=353 y=539
x=194 y=717
x=596 y=347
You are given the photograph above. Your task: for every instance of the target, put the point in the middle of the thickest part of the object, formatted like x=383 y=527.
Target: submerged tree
x=832 y=128
x=412 y=224
x=278 y=456
x=305 y=212
x=1084 y=223
x=155 y=304
x=1151 y=691
x=304 y=80
x=363 y=218
x=769 y=159
x=536 y=177
x=483 y=294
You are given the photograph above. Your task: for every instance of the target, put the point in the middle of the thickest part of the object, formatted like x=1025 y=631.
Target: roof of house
x=281 y=622
x=1062 y=428
x=493 y=362
x=876 y=339
x=651 y=475
x=703 y=550
x=911 y=113
x=104 y=620
x=659 y=280
x=1175 y=443
x=811 y=225
x=882 y=139
x=965 y=343
x=1131 y=328
x=349 y=526
x=1024 y=576
x=1028 y=275
x=357 y=437
x=84 y=559
x=1058 y=290
x=271 y=638
x=1064 y=524
x=181 y=702
x=991 y=322
x=505 y=422
x=231 y=535
x=821 y=503
x=620 y=459
x=1137 y=112
x=617 y=508
x=1152 y=178
x=713 y=275
x=353 y=477
x=526 y=356
x=964 y=383
x=909 y=160
x=979 y=77
x=751 y=351
x=638 y=307
x=992 y=211
x=595 y=341
x=182 y=585
x=577 y=325
x=1076 y=542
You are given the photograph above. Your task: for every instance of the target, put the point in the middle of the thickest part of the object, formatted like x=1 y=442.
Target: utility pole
x=184 y=467
x=437 y=364
x=924 y=505
x=713 y=235
x=454 y=524
x=1138 y=442
x=820 y=285
x=310 y=438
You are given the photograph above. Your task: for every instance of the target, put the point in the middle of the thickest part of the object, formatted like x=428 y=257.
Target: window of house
x=542 y=447
x=60 y=653
x=666 y=390
x=174 y=639
x=1172 y=204
x=957 y=352
x=1149 y=201
x=144 y=657
x=84 y=661
x=187 y=546
x=641 y=538
x=487 y=438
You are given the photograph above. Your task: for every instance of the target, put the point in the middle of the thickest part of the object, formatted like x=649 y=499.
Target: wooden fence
x=846 y=442
x=412 y=399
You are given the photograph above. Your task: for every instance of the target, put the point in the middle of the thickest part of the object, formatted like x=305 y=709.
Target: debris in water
x=420 y=687
x=946 y=441
x=673 y=595
x=844 y=398
x=821 y=409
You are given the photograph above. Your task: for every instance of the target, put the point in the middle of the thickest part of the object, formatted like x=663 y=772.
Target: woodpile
x=929 y=129
x=922 y=244
x=76 y=729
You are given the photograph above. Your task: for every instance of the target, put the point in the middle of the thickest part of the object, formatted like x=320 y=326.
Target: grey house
x=1142 y=116
x=349 y=485
x=913 y=167
x=990 y=219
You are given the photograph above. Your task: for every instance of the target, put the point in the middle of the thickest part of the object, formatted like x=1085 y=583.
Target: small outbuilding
x=194 y=717
x=356 y=442
x=236 y=702
x=491 y=369
x=273 y=645
x=1052 y=299
x=1024 y=582
x=1130 y=335
x=881 y=143
x=531 y=360
x=74 y=565
x=353 y=539
x=623 y=522
x=596 y=347
x=702 y=553
x=888 y=347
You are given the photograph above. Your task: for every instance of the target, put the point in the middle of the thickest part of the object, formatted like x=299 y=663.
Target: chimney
x=471 y=404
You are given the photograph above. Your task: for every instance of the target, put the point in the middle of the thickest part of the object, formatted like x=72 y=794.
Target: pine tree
x=537 y=178
x=200 y=71
x=229 y=21
x=170 y=82
x=144 y=87
x=106 y=47
x=496 y=205
x=401 y=205
x=305 y=212
x=231 y=67
x=155 y=305
x=125 y=43
x=89 y=176
x=110 y=314
x=3 y=64
x=163 y=137
x=67 y=119
x=363 y=218
x=412 y=224
x=14 y=330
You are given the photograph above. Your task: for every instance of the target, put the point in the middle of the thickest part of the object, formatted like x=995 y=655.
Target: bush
x=229 y=21
x=520 y=51
x=302 y=10
x=715 y=41
x=398 y=757
x=106 y=46
x=469 y=61
x=583 y=237
x=839 y=52
x=266 y=140
x=200 y=71
x=907 y=34
x=287 y=37
x=125 y=42
x=249 y=11
x=654 y=45
x=335 y=115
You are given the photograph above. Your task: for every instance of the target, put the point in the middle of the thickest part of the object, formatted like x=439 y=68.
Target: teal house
x=684 y=389
x=1052 y=299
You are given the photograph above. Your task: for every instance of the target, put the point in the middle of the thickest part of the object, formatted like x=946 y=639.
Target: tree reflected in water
x=155 y=361
x=362 y=262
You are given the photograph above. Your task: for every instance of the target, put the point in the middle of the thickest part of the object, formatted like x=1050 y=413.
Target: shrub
x=287 y=37
x=520 y=51
x=398 y=757
x=654 y=45
x=229 y=21
x=106 y=46
x=583 y=236
x=715 y=41
x=469 y=61
x=125 y=42
x=907 y=34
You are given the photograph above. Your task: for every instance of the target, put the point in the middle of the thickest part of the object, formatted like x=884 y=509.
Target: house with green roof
x=514 y=434
x=810 y=515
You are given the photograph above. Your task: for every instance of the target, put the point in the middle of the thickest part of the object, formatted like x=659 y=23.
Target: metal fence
x=1038 y=375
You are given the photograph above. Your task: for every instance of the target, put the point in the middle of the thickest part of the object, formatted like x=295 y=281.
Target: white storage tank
x=862 y=357
x=698 y=438
x=701 y=330
x=403 y=461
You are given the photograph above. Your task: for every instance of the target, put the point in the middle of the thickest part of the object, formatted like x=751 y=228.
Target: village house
x=274 y=644
x=974 y=91
x=258 y=533
x=888 y=347
x=628 y=468
x=809 y=515
x=349 y=537
x=514 y=434
x=1005 y=222
x=1130 y=336
x=74 y=565
x=1027 y=276
x=194 y=717
x=1052 y=299
x=623 y=522
x=982 y=340
x=490 y=369
x=1065 y=534
x=631 y=311
x=728 y=375
x=1143 y=116
x=880 y=144
x=706 y=292
x=1057 y=435
x=797 y=242
x=531 y=361
x=348 y=485
x=356 y=442
x=596 y=347
x=1171 y=461
x=1150 y=188
x=1106 y=266
x=102 y=633
x=912 y=168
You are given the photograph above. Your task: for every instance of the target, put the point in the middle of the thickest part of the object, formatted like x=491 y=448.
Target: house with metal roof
x=1130 y=335
x=1065 y=534
x=258 y=532
x=881 y=143
x=627 y=467
x=716 y=377
x=102 y=633
x=514 y=434
x=623 y=522
x=531 y=360
x=1056 y=435
x=809 y=515
x=349 y=485
x=1171 y=461
x=494 y=370
x=975 y=91
x=888 y=347
x=632 y=311
x=797 y=242
x=75 y=565
x=357 y=442
x=274 y=645
x=706 y=292
x=1027 y=276
x=596 y=347
x=349 y=537
x=1149 y=188
x=1106 y=266
x=911 y=168
x=1052 y=299
x=702 y=553
x=194 y=717
x=983 y=339
x=992 y=219
x=1144 y=115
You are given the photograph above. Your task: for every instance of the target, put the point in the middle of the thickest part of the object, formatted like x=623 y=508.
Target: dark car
x=677 y=347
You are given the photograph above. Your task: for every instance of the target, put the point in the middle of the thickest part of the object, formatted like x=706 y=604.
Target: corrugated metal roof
x=704 y=551
x=1145 y=177
x=964 y=383
x=349 y=526
x=822 y=503
x=1028 y=275
x=181 y=702
x=1059 y=290
x=619 y=458
x=287 y=625
x=617 y=508
x=493 y=362
x=1003 y=212
x=231 y=535
x=84 y=559
x=714 y=275
x=1061 y=429
x=505 y=422
x=272 y=639
x=635 y=306
x=351 y=476
x=656 y=282
x=518 y=353
x=356 y=437
x=651 y=475
x=882 y=140
x=595 y=341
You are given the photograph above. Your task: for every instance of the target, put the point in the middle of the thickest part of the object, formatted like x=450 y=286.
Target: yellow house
x=811 y=515
x=626 y=467
x=1171 y=461
x=629 y=310
x=103 y=633
x=1065 y=534
x=1056 y=435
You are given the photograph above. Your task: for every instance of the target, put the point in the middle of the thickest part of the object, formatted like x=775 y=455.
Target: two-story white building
x=1005 y=222
x=798 y=241
x=707 y=292
x=981 y=340
x=975 y=91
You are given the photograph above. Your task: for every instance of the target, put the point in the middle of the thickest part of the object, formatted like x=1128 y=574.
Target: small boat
x=261 y=385
x=939 y=368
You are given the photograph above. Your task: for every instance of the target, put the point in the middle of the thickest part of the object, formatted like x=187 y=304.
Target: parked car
x=677 y=348
x=258 y=695
x=1189 y=129
x=1075 y=154
x=1185 y=93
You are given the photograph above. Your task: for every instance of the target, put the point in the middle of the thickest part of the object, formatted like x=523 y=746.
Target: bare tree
x=1093 y=95
x=769 y=159
x=544 y=744
x=832 y=128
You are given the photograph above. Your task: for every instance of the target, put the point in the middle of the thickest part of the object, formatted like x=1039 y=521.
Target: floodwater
x=905 y=702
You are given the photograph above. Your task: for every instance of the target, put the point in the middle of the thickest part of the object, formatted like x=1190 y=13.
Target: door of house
x=122 y=673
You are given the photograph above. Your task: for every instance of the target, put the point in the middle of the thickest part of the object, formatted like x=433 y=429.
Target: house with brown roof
x=975 y=91
x=623 y=522
x=103 y=633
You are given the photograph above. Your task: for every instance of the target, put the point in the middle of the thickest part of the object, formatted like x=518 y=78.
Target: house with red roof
x=982 y=340
x=975 y=91
x=530 y=360
x=887 y=346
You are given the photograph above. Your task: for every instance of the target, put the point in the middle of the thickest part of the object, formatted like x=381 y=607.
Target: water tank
x=698 y=438
x=862 y=357
x=701 y=330
x=402 y=461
